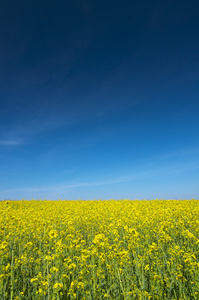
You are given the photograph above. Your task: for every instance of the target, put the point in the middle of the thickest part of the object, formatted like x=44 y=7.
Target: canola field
x=54 y=250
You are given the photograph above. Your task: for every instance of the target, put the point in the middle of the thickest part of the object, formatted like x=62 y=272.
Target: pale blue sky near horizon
x=99 y=100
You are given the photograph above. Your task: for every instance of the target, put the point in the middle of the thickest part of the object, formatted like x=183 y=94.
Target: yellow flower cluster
x=96 y=249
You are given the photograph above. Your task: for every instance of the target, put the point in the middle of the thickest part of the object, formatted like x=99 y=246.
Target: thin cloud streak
x=122 y=179
x=11 y=142
x=45 y=116
x=171 y=154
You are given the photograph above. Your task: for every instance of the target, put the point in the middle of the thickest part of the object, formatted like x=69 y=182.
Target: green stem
x=12 y=277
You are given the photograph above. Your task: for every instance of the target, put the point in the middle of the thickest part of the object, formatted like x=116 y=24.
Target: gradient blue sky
x=99 y=99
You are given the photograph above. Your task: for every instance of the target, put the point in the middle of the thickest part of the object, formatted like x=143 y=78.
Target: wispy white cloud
x=11 y=142
x=172 y=169
x=45 y=115
x=179 y=153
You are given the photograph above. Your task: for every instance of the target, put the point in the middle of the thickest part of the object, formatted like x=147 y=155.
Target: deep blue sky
x=99 y=99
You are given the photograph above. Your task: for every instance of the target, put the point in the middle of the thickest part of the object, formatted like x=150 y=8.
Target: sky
x=99 y=99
